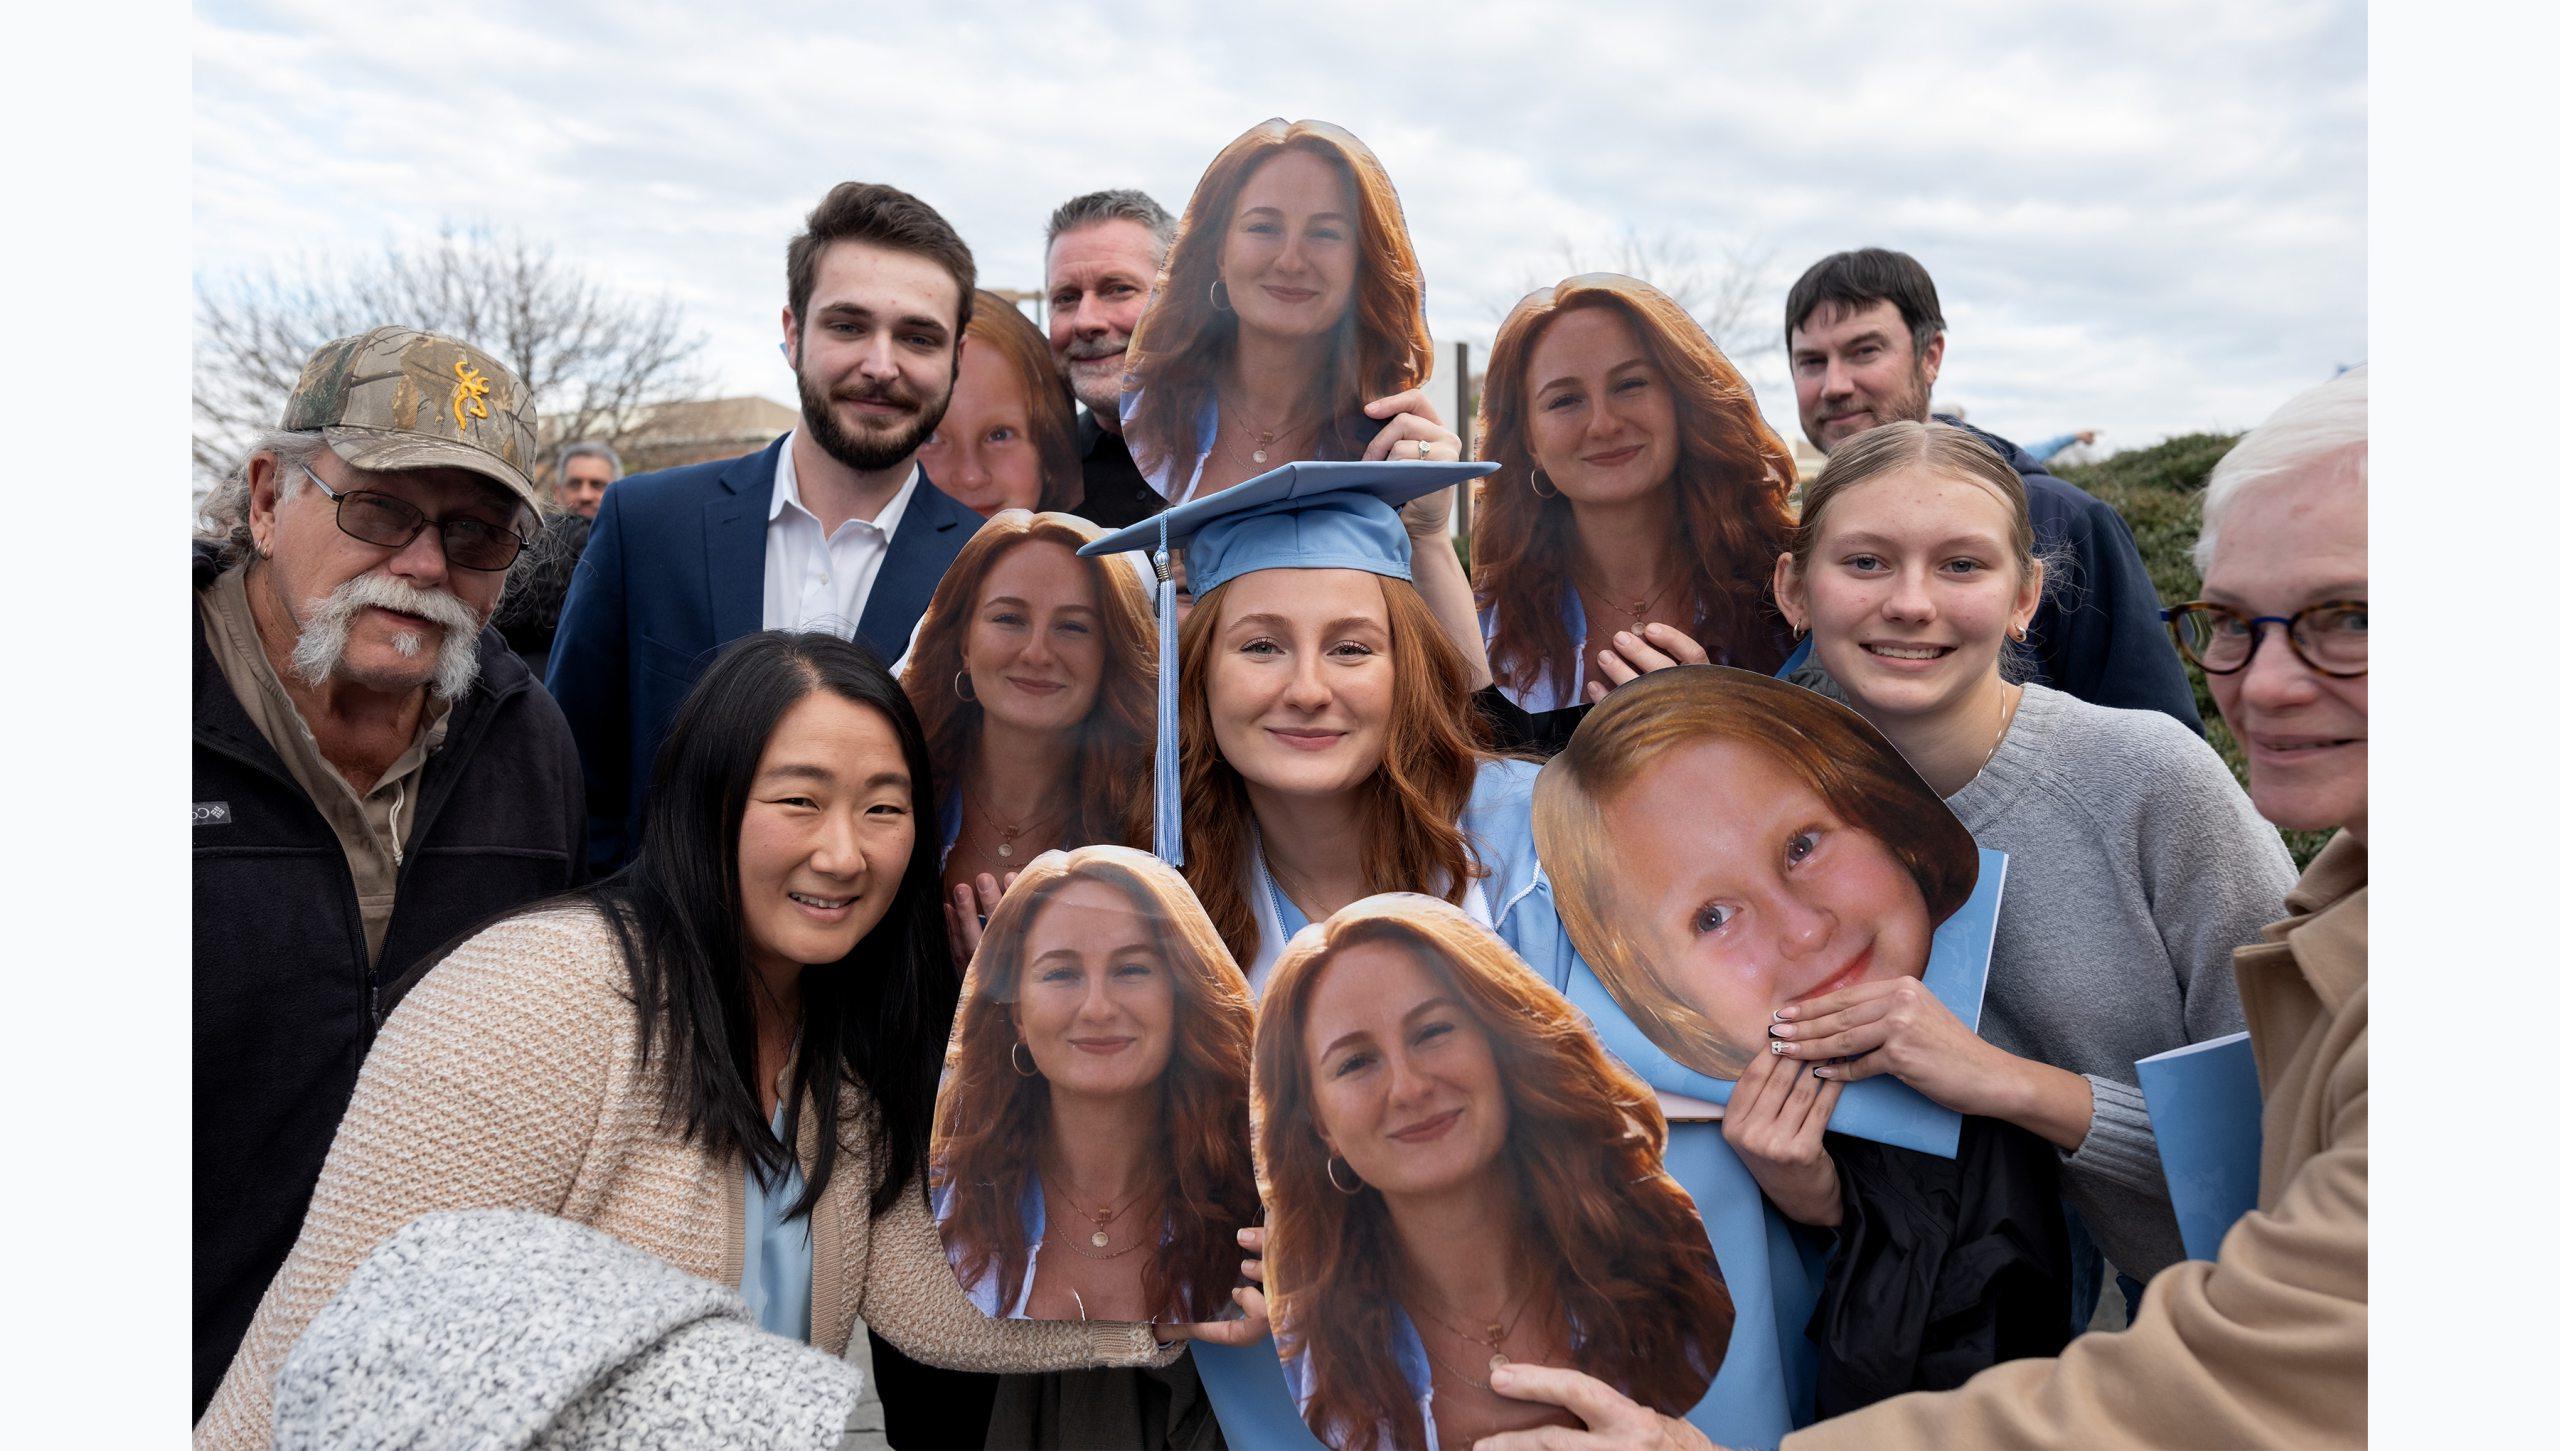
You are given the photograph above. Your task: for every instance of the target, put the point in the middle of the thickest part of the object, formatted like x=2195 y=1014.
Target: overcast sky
x=2143 y=217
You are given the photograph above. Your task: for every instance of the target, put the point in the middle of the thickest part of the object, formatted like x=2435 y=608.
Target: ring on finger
x=1422 y=448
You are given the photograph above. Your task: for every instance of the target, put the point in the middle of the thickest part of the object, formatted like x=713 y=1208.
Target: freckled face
x=1406 y=1087
x=982 y=455
x=1602 y=424
x=1303 y=679
x=1752 y=892
x=1034 y=647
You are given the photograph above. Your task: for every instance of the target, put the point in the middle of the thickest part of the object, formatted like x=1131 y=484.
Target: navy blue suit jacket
x=673 y=571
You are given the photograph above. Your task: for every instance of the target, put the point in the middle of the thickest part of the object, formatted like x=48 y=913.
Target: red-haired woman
x=1288 y=326
x=1009 y=441
x=1034 y=673
x=1459 y=1177
x=1639 y=485
x=1090 y=1153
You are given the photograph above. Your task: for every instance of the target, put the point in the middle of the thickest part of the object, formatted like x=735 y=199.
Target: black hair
x=1855 y=279
x=879 y=1018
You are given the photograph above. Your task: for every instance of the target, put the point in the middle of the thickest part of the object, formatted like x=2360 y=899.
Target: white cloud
x=2142 y=217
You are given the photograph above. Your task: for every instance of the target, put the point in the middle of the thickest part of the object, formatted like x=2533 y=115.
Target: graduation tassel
x=1168 y=710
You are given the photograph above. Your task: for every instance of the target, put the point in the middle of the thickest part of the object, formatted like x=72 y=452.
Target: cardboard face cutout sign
x=1100 y=999
x=1722 y=845
x=1458 y=1175
x=1024 y=635
x=1293 y=246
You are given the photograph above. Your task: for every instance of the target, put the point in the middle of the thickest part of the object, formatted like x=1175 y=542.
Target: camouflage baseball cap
x=398 y=398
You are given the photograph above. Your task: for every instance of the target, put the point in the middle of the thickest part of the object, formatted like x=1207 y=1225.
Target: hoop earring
x=1217 y=295
x=1533 y=484
x=1015 y=1058
x=2019 y=634
x=1336 y=1180
x=961 y=687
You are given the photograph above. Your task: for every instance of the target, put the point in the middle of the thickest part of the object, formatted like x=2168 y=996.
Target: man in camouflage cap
x=374 y=770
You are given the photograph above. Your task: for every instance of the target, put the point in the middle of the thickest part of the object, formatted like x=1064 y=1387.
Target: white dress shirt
x=819 y=581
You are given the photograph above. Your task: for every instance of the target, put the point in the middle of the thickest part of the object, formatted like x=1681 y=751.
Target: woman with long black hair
x=724 y=1055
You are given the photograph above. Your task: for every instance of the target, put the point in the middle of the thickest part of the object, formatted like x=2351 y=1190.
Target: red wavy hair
x=1183 y=342
x=1634 y=1273
x=1410 y=804
x=1733 y=478
x=989 y=1120
x=1115 y=758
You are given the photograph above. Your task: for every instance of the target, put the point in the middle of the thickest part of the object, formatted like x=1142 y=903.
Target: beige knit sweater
x=510 y=1078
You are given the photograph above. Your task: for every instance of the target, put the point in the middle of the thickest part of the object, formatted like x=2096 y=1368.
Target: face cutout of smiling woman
x=1090 y=1152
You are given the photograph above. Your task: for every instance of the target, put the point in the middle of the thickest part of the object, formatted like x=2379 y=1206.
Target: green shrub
x=2156 y=489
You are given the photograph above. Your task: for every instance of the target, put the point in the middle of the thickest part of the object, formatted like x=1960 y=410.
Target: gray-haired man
x=1104 y=251
x=585 y=469
x=374 y=771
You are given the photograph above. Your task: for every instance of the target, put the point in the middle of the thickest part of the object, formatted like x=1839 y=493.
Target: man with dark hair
x=832 y=526
x=374 y=771
x=1104 y=251
x=1864 y=340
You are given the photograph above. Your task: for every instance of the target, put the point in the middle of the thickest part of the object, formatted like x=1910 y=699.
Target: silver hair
x=223 y=519
x=2309 y=428
x=588 y=448
x=1121 y=204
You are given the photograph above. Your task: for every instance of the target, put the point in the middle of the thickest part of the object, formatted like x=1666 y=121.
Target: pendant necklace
x=1100 y=1219
x=1496 y=1331
x=1263 y=437
x=1008 y=832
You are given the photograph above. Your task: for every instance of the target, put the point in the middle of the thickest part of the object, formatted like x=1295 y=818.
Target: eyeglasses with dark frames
x=391 y=523
x=2329 y=636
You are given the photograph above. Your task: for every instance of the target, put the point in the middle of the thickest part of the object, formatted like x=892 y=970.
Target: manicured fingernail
x=1822 y=1073
x=1784 y=1014
x=1782 y=1030
x=1779 y=1048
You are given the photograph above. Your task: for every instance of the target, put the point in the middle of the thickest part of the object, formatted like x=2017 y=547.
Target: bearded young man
x=375 y=772
x=831 y=527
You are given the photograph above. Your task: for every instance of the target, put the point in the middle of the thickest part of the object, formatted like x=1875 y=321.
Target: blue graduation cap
x=1308 y=515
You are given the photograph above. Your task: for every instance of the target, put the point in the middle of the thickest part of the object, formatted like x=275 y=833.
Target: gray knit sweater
x=2136 y=865
x=504 y=1329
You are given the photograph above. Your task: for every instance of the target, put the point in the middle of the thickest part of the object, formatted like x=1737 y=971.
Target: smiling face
x=1406 y=1088
x=875 y=354
x=983 y=454
x=1034 y=647
x=1856 y=368
x=1291 y=254
x=1100 y=277
x=1908 y=591
x=1095 y=1010
x=1303 y=678
x=421 y=606
x=828 y=828
x=1752 y=891
x=2286 y=544
x=1602 y=425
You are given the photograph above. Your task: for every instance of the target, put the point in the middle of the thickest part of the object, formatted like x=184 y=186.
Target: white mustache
x=326 y=622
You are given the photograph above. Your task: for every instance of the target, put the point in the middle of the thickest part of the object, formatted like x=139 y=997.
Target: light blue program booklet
x=2206 y=1115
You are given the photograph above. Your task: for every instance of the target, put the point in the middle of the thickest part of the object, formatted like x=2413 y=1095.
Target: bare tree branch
x=594 y=358
x=1729 y=296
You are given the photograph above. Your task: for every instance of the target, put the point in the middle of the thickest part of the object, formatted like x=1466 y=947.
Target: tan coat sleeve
x=481 y=1093
x=2266 y=1347
x=914 y=1299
